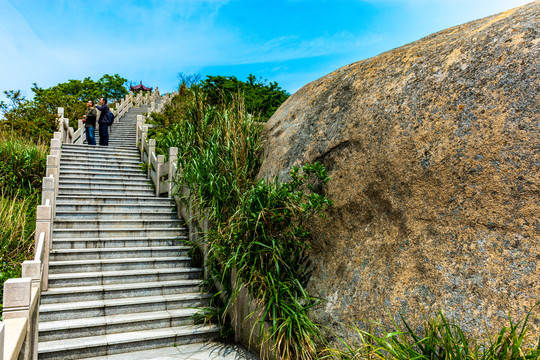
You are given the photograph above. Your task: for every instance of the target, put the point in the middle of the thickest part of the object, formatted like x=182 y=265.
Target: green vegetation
x=22 y=167
x=439 y=339
x=264 y=242
x=36 y=119
x=261 y=99
x=262 y=221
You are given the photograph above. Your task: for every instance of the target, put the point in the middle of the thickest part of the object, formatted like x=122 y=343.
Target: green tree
x=262 y=99
x=36 y=119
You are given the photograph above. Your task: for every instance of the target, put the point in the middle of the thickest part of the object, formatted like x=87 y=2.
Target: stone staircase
x=120 y=279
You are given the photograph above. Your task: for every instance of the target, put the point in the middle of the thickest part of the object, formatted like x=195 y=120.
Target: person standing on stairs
x=103 y=122
x=90 y=123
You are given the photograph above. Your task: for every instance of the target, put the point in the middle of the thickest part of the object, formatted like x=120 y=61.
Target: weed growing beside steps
x=258 y=228
x=22 y=165
x=22 y=168
x=439 y=339
x=17 y=226
x=265 y=241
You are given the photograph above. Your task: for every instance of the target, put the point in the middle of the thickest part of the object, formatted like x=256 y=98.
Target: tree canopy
x=36 y=118
x=261 y=98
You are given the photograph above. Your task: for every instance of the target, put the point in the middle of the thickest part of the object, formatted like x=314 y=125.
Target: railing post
x=173 y=158
x=32 y=269
x=80 y=125
x=43 y=224
x=143 y=140
x=139 y=124
x=53 y=169
x=160 y=161
x=56 y=146
x=2 y=332
x=205 y=226
x=49 y=193
x=17 y=302
x=151 y=151
x=61 y=124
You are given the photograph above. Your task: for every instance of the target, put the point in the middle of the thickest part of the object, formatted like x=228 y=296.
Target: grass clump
x=22 y=165
x=265 y=243
x=439 y=339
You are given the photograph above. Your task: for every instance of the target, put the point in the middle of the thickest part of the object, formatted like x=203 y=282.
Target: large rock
x=434 y=155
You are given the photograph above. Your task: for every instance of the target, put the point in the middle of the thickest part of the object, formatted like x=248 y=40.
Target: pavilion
x=140 y=87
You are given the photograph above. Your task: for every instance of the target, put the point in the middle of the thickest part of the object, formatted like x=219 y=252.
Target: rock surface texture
x=433 y=150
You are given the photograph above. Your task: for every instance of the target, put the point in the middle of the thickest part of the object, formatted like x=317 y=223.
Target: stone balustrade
x=160 y=172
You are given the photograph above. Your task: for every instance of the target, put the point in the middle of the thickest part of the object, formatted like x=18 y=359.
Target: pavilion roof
x=139 y=87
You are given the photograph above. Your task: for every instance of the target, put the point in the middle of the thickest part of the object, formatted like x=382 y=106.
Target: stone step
x=105 y=191
x=123 y=342
x=97 y=166
x=71 y=148
x=73 y=181
x=122 y=276
x=58 y=267
x=116 y=215
x=98 y=160
x=90 y=156
x=94 y=308
x=131 y=241
x=123 y=134
x=118 y=253
x=108 y=200
x=115 y=233
x=108 y=224
x=106 y=174
x=114 y=324
x=85 y=184
x=122 y=146
x=64 y=209
x=209 y=351
x=117 y=291
x=121 y=139
x=88 y=172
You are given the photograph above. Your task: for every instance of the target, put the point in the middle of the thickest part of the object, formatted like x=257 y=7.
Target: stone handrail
x=160 y=172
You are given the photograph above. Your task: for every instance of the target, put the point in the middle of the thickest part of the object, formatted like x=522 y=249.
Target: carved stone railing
x=160 y=172
x=20 y=313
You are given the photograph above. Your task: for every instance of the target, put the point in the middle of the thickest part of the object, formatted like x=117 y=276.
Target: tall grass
x=22 y=168
x=17 y=226
x=440 y=339
x=258 y=224
x=264 y=241
x=22 y=165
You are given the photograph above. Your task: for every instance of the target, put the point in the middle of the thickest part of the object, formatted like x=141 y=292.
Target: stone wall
x=433 y=150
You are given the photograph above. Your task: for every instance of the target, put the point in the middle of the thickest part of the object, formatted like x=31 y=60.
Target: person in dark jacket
x=90 y=123
x=103 y=122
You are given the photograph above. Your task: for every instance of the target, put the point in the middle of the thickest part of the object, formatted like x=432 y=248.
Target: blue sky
x=292 y=42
